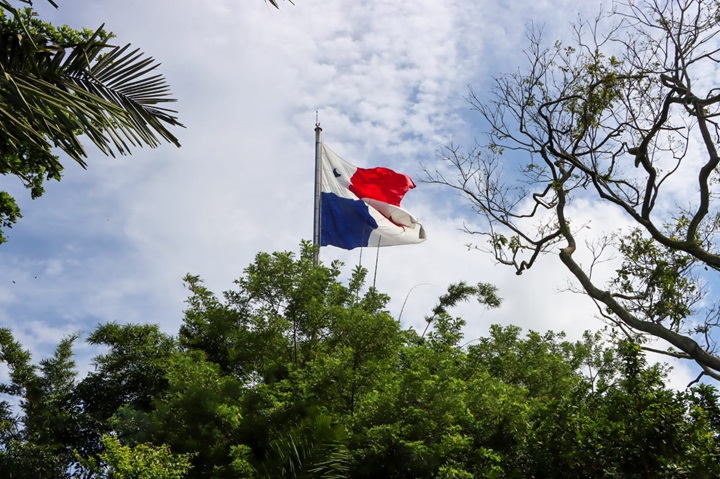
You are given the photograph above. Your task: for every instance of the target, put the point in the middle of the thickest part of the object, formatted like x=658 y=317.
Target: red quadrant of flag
x=382 y=184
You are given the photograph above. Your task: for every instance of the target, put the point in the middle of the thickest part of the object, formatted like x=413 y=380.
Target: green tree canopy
x=294 y=373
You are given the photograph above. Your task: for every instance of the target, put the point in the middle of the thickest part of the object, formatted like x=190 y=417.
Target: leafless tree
x=626 y=115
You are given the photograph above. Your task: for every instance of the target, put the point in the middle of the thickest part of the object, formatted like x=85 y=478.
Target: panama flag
x=361 y=206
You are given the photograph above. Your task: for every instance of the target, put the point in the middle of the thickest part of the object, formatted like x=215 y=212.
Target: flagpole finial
x=317 y=121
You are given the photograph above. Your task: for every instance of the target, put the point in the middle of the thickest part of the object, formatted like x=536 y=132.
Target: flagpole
x=318 y=186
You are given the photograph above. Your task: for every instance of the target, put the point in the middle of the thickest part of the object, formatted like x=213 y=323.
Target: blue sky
x=388 y=80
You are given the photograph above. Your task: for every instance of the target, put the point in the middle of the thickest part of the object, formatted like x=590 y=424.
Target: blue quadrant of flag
x=345 y=223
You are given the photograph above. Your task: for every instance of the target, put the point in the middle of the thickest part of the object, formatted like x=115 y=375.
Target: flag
x=361 y=206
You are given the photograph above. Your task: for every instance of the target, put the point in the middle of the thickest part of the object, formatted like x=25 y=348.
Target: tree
x=130 y=374
x=58 y=84
x=306 y=351
x=41 y=441
x=625 y=117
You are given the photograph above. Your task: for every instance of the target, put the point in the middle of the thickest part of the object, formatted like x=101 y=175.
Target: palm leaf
x=313 y=449
x=55 y=93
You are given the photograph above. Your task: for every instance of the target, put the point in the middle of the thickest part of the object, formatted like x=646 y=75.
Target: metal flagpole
x=318 y=186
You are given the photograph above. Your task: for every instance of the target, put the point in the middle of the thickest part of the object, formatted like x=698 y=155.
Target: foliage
x=42 y=440
x=624 y=118
x=58 y=84
x=296 y=374
x=142 y=461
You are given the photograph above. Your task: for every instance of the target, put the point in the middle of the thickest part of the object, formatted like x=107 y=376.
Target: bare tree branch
x=622 y=116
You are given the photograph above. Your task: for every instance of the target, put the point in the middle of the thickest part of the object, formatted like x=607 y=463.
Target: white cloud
x=389 y=81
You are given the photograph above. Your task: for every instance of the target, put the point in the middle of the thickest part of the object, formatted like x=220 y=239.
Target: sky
x=389 y=83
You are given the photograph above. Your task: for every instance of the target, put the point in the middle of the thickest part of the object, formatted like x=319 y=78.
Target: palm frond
x=312 y=449
x=55 y=93
x=3 y=3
